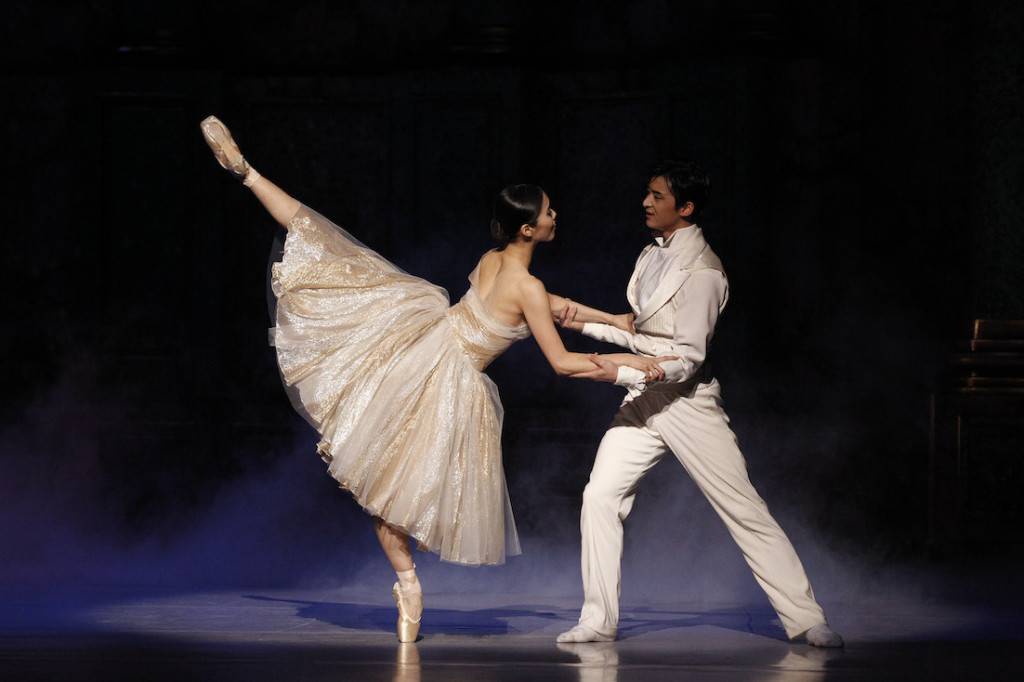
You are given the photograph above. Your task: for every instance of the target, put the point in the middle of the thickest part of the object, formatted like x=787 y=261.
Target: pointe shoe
x=224 y=147
x=822 y=635
x=410 y=610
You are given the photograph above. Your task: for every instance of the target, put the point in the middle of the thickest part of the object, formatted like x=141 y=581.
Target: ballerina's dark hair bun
x=516 y=205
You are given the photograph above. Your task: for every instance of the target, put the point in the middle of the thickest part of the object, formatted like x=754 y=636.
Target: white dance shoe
x=823 y=636
x=583 y=633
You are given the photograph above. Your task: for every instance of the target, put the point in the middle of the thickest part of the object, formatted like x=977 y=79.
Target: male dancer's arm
x=699 y=302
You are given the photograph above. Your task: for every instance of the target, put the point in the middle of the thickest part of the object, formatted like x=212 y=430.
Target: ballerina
x=391 y=375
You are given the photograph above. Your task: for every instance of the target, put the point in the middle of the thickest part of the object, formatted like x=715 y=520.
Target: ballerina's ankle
x=408 y=583
x=251 y=176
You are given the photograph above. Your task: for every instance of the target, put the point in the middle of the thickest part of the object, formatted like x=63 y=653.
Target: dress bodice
x=387 y=371
x=480 y=335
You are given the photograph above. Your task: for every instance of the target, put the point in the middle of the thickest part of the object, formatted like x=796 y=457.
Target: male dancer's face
x=663 y=217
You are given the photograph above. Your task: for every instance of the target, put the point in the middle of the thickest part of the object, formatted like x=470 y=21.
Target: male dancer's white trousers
x=696 y=429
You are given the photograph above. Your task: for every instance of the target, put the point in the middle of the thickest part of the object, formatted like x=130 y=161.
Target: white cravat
x=657 y=262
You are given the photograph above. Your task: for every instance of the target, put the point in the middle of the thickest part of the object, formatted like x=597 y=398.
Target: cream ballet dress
x=391 y=376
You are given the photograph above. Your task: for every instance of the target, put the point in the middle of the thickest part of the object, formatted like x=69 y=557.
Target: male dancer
x=677 y=292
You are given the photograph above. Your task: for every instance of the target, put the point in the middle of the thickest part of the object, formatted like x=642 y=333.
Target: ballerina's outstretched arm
x=278 y=203
x=572 y=315
x=537 y=309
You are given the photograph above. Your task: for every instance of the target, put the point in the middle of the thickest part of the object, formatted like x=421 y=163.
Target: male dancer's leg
x=697 y=431
x=626 y=453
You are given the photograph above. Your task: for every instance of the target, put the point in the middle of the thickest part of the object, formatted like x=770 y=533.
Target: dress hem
x=422 y=546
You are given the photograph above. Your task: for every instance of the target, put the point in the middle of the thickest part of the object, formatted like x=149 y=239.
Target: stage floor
x=344 y=634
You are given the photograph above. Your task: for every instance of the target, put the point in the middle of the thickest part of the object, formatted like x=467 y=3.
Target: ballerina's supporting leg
x=395 y=543
x=407 y=591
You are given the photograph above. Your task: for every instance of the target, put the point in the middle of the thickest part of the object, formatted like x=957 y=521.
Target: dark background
x=867 y=164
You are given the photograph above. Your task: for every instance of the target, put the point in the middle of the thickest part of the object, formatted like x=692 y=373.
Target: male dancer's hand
x=625 y=322
x=566 y=318
x=608 y=369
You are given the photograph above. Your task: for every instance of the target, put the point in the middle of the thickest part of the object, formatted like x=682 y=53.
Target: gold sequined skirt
x=409 y=425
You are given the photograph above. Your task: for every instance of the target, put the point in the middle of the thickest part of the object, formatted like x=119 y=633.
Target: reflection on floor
x=349 y=635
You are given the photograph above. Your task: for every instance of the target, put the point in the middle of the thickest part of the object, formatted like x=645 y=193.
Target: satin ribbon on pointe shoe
x=226 y=150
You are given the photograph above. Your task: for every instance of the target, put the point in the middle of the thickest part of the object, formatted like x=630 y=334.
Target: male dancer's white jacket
x=677 y=291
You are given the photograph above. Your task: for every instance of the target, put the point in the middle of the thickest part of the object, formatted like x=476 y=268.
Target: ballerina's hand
x=660 y=362
x=566 y=317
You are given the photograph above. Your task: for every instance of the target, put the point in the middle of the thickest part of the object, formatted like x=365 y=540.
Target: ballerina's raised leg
x=278 y=203
x=407 y=591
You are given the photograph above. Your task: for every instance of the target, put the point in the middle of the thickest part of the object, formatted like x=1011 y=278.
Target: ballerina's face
x=544 y=229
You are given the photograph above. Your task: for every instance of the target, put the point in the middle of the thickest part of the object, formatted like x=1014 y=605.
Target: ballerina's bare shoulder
x=500 y=279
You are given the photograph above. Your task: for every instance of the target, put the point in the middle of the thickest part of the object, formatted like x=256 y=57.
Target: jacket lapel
x=677 y=273
x=631 y=287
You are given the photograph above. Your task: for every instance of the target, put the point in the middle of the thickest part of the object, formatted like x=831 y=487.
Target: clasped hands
x=566 y=317
x=608 y=365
